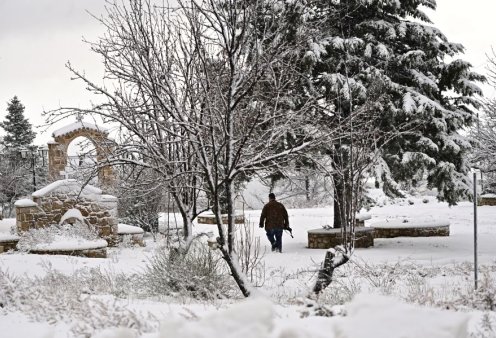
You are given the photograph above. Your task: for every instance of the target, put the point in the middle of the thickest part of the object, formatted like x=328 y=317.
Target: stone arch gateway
x=58 y=151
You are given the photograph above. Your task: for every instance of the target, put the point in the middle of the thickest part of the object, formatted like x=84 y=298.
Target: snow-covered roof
x=24 y=203
x=69 y=186
x=78 y=126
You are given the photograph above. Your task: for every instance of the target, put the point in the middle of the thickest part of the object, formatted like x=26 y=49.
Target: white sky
x=38 y=37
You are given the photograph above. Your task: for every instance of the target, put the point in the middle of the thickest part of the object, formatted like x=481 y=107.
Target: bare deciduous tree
x=199 y=93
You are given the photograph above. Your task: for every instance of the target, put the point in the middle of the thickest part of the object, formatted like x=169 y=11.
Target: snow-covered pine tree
x=19 y=132
x=15 y=173
x=388 y=55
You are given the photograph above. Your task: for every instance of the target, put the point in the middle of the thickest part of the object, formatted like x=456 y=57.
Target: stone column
x=57 y=160
x=27 y=215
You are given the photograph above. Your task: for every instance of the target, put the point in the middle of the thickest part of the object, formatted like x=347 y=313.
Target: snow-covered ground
x=401 y=287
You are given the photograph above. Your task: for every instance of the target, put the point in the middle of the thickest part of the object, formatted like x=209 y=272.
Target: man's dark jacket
x=275 y=216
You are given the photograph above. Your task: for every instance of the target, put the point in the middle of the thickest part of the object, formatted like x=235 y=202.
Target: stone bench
x=90 y=249
x=411 y=228
x=329 y=238
x=88 y=253
x=134 y=233
x=209 y=218
x=487 y=199
x=8 y=242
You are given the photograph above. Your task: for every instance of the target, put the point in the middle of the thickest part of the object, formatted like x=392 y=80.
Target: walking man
x=275 y=217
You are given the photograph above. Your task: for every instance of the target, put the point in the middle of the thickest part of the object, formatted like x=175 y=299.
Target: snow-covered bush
x=42 y=236
x=198 y=273
x=486 y=327
x=445 y=287
x=74 y=299
x=250 y=254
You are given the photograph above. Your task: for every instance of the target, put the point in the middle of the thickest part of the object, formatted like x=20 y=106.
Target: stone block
x=105 y=231
x=24 y=226
x=57 y=205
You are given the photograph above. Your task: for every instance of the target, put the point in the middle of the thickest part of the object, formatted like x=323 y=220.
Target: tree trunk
x=339 y=201
x=307 y=187
x=235 y=271
x=324 y=277
x=230 y=215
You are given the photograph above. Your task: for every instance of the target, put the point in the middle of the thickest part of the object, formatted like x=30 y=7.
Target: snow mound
x=64 y=243
x=386 y=317
x=116 y=333
x=411 y=223
x=128 y=229
x=24 y=203
x=78 y=126
x=363 y=216
x=72 y=213
x=68 y=186
x=247 y=319
x=8 y=237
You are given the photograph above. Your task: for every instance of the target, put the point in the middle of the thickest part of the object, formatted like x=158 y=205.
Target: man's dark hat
x=272 y=196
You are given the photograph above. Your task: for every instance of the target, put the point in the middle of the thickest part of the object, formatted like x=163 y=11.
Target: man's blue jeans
x=275 y=238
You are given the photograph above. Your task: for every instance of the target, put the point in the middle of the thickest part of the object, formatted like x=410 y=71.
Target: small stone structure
x=361 y=218
x=412 y=228
x=487 y=199
x=134 y=233
x=57 y=150
x=329 y=238
x=48 y=205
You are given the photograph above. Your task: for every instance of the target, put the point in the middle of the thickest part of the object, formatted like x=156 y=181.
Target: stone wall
x=90 y=253
x=47 y=208
x=421 y=231
x=329 y=238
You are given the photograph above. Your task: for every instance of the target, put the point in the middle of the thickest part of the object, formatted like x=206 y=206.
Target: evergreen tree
x=385 y=56
x=19 y=132
x=15 y=172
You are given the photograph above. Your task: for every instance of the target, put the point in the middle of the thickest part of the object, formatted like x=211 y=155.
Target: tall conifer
x=19 y=132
